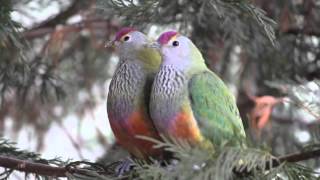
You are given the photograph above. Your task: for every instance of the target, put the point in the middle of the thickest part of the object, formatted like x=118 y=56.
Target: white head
x=178 y=50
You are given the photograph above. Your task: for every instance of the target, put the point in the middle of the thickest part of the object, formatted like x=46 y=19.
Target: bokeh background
x=55 y=70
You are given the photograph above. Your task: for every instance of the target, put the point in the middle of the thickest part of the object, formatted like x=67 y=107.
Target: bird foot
x=125 y=166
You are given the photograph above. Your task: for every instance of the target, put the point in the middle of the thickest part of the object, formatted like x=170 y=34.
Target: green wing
x=215 y=109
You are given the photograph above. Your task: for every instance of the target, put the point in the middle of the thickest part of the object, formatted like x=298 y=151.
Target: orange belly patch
x=184 y=126
x=126 y=131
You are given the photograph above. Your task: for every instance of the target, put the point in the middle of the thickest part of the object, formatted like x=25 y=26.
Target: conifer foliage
x=267 y=52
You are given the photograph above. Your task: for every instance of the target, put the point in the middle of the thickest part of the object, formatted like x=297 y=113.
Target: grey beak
x=154 y=45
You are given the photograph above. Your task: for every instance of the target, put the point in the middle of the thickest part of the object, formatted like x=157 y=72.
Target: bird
x=190 y=102
x=129 y=93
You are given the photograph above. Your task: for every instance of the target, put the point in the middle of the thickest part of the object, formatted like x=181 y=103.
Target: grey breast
x=168 y=91
x=125 y=88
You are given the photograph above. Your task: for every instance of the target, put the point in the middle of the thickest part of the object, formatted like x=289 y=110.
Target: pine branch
x=93 y=169
x=290 y=158
x=162 y=12
x=297 y=157
x=31 y=167
x=47 y=170
x=13 y=159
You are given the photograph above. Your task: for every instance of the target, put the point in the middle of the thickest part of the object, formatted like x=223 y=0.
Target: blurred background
x=55 y=70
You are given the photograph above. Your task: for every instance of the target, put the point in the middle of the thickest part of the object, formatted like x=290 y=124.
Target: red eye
x=175 y=43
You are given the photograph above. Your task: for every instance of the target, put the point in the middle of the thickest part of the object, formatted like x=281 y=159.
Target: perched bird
x=188 y=101
x=129 y=93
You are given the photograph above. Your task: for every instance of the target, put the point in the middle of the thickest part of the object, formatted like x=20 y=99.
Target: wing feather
x=214 y=108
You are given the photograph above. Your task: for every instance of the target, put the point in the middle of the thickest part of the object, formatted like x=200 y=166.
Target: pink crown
x=166 y=36
x=122 y=32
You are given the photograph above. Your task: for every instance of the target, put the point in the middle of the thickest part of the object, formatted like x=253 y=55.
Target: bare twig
x=49 y=170
x=93 y=23
x=302 y=106
x=74 y=143
x=61 y=17
x=302 y=156
x=31 y=167
x=296 y=31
